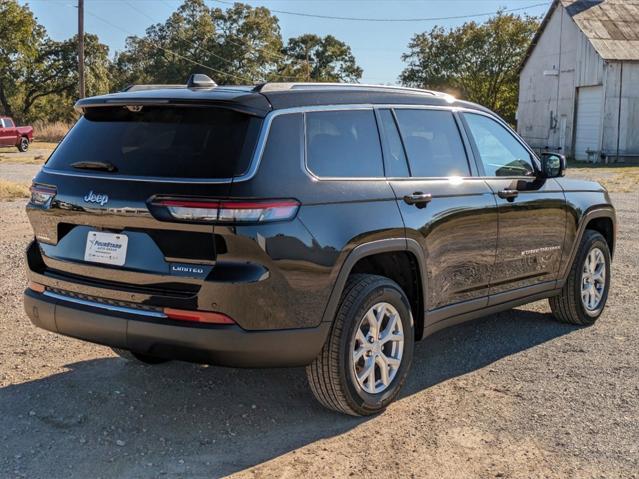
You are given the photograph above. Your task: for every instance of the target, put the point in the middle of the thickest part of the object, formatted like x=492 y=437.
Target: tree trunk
x=6 y=107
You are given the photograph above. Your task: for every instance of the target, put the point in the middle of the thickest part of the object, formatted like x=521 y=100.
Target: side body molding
x=367 y=249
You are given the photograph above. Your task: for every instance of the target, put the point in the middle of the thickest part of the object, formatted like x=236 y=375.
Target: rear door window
x=168 y=142
x=432 y=142
x=343 y=144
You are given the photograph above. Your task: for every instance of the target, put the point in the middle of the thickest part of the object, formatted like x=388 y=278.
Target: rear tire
x=367 y=356
x=143 y=358
x=583 y=297
x=23 y=145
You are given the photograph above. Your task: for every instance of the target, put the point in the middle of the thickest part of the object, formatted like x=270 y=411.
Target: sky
x=377 y=46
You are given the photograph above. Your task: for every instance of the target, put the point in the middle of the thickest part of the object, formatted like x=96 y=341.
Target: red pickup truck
x=12 y=135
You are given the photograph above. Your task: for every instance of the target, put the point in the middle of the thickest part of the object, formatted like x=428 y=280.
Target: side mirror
x=553 y=165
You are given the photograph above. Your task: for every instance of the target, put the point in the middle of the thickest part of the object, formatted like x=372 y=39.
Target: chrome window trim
x=108 y=307
x=263 y=137
x=317 y=177
x=372 y=106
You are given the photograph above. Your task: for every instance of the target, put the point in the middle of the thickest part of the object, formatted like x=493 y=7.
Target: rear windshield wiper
x=95 y=165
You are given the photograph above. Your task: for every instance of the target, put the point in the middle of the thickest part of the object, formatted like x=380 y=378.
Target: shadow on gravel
x=106 y=417
x=473 y=345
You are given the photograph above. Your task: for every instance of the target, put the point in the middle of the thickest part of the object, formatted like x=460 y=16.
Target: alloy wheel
x=593 y=279
x=378 y=348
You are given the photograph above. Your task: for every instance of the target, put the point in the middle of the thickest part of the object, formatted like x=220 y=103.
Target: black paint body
x=476 y=252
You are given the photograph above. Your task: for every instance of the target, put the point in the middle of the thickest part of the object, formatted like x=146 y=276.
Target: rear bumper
x=226 y=345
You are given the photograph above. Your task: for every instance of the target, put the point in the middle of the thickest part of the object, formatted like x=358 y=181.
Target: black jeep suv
x=318 y=225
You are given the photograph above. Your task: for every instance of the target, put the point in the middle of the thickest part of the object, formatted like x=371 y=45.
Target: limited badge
x=190 y=270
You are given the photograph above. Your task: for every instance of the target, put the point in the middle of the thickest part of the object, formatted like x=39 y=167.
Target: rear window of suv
x=343 y=144
x=172 y=142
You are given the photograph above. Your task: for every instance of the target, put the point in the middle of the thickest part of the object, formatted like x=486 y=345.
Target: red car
x=12 y=135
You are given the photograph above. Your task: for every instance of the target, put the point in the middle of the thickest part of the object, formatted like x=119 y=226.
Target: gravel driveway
x=18 y=172
x=512 y=395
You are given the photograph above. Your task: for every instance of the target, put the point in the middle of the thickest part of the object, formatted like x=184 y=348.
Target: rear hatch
x=92 y=207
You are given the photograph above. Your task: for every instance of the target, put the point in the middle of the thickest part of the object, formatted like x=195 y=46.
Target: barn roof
x=611 y=26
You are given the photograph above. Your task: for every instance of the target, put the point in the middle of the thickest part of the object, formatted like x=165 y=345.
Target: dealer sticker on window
x=108 y=248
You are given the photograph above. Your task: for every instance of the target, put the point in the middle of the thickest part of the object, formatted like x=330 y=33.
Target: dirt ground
x=513 y=395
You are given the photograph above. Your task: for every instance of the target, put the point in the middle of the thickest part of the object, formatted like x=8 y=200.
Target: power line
x=245 y=46
x=244 y=79
x=359 y=19
x=252 y=47
x=179 y=34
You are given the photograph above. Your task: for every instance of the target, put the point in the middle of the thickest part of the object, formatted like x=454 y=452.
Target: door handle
x=418 y=199
x=508 y=194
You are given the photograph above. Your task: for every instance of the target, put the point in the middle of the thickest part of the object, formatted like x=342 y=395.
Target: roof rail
x=274 y=86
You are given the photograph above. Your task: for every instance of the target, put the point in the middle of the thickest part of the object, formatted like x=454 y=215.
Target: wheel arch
x=384 y=257
x=600 y=219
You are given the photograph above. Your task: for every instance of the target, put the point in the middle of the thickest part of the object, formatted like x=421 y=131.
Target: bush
x=50 y=132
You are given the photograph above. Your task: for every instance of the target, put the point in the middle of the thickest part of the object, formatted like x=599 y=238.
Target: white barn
x=579 y=81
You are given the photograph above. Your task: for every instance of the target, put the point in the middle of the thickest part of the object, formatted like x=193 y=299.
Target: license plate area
x=106 y=248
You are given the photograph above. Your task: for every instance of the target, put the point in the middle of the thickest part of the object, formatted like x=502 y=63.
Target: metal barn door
x=588 y=130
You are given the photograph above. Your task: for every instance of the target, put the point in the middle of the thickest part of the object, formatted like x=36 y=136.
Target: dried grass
x=50 y=132
x=11 y=190
x=617 y=179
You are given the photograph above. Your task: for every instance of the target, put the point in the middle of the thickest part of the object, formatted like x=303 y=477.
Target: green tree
x=149 y=59
x=20 y=39
x=479 y=62
x=251 y=39
x=38 y=76
x=52 y=76
x=231 y=46
x=313 y=58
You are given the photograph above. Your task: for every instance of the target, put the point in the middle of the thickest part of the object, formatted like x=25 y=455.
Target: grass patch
x=24 y=160
x=584 y=165
x=12 y=190
x=50 y=132
x=36 y=145
x=616 y=178
x=44 y=145
x=37 y=154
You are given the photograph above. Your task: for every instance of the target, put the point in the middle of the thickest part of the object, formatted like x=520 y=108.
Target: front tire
x=140 y=357
x=368 y=353
x=583 y=297
x=23 y=145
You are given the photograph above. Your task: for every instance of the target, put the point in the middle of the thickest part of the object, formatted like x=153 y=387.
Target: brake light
x=222 y=211
x=197 y=316
x=41 y=195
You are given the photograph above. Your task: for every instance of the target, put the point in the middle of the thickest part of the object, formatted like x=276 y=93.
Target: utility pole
x=81 y=48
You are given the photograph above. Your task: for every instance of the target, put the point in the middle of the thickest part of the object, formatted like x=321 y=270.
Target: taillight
x=41 y=195
x=197 y=316
x=37 y=287
x=229 y=211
